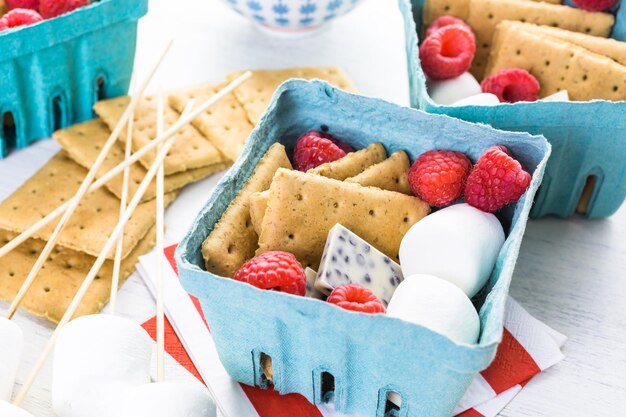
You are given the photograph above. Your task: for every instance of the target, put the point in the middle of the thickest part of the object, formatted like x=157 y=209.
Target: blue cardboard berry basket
x=587 y=138
x=310 y=340
x=51 y=73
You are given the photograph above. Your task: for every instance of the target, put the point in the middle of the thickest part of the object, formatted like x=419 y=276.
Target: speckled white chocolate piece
x=311 y=291
x=348 y=259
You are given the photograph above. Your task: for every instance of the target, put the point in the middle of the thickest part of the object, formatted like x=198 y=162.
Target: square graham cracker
x=485 y=15
x=255 y=94
x=225 y=124
x=302 y=208
x=191 y=149
x=233 y=240
x=61 y=275
x=83 y=142
x=390 y=174
x=93 y=221
x=558 y=65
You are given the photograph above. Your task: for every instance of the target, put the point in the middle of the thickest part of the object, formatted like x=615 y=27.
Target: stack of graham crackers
x=283 y=209
x=563 y=47
x=210 y=144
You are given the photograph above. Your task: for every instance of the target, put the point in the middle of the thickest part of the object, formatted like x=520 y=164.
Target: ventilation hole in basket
x=9 y=130
x=267 y=372
x=328 y=387
x=393 y=403
x=100 y=89
x=57 y=113
x=585 y=197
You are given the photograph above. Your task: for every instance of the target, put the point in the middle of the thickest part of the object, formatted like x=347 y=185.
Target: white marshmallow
x=562 y=95
x=166 y=399
x=437 y=305
x=459 y=243
x=482 y=99
x=448 y=91
x=96 y=359
x=9 y=410
x=11 y=346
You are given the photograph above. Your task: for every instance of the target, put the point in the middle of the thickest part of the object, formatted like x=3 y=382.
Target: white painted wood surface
x=571 y=274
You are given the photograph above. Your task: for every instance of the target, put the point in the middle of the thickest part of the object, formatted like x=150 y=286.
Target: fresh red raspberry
x=594 y=5
x=19 y=17
x=312 y=150
x=275 y=270
x=356 y=298
x=448 y=52
x=438 y=177
x=496 y=180
x=54 y=8
x=512 y=85
x=23 y=4
x=445 y=21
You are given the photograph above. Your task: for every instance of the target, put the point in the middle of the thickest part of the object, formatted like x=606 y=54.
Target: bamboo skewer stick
x=160 y=225
x=82 y=190
x=117 y=261
x=172 y=130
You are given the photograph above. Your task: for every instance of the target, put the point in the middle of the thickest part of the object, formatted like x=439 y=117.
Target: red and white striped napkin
x=528 y=347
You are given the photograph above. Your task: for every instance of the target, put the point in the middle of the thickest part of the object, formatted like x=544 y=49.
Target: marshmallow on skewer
x=459 y=243
x=437 y=305
x=11 y=346
x=10 y=410
x=166 y=399
x=98 y=358
x=446 y=92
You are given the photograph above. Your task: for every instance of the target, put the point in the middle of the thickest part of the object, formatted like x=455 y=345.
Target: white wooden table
x=571 y=274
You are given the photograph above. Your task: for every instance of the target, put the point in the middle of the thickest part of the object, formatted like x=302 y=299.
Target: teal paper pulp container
x=51 y=73
x=308 y=339
x=587 y=138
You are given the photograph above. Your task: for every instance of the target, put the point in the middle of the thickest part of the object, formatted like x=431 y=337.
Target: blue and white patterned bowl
x=292 y=16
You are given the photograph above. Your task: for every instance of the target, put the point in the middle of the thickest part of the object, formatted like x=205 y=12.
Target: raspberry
x=54 y=8
x=496 y=180
x=594 y=5
x=438 y=177
x=275 y=270
x=512 y=85
x=448 y=52
x=19 y=17
x=356 y=298
x=315 y=148
x=23 y=4
x=445 y=21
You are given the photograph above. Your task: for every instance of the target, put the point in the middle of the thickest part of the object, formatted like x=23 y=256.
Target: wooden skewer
x=82 y=190
x=172 y=130
x=82 y=290
x=160 y=225
x=91 y=275
x=117 y=261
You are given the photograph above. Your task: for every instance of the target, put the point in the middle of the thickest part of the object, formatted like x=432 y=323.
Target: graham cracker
x=485 y=15
x=610 y=48
x=83 y=143
x=352 y=164
x=233 y=240
x=93 y=221
x=258 y=205
x=191 y=149
x=434 y=9
x=255 y=94
x=302 y=208
x=61 y=275
x=558 y=65
x=3 y=7
x=390 y=174
x=225 y=124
